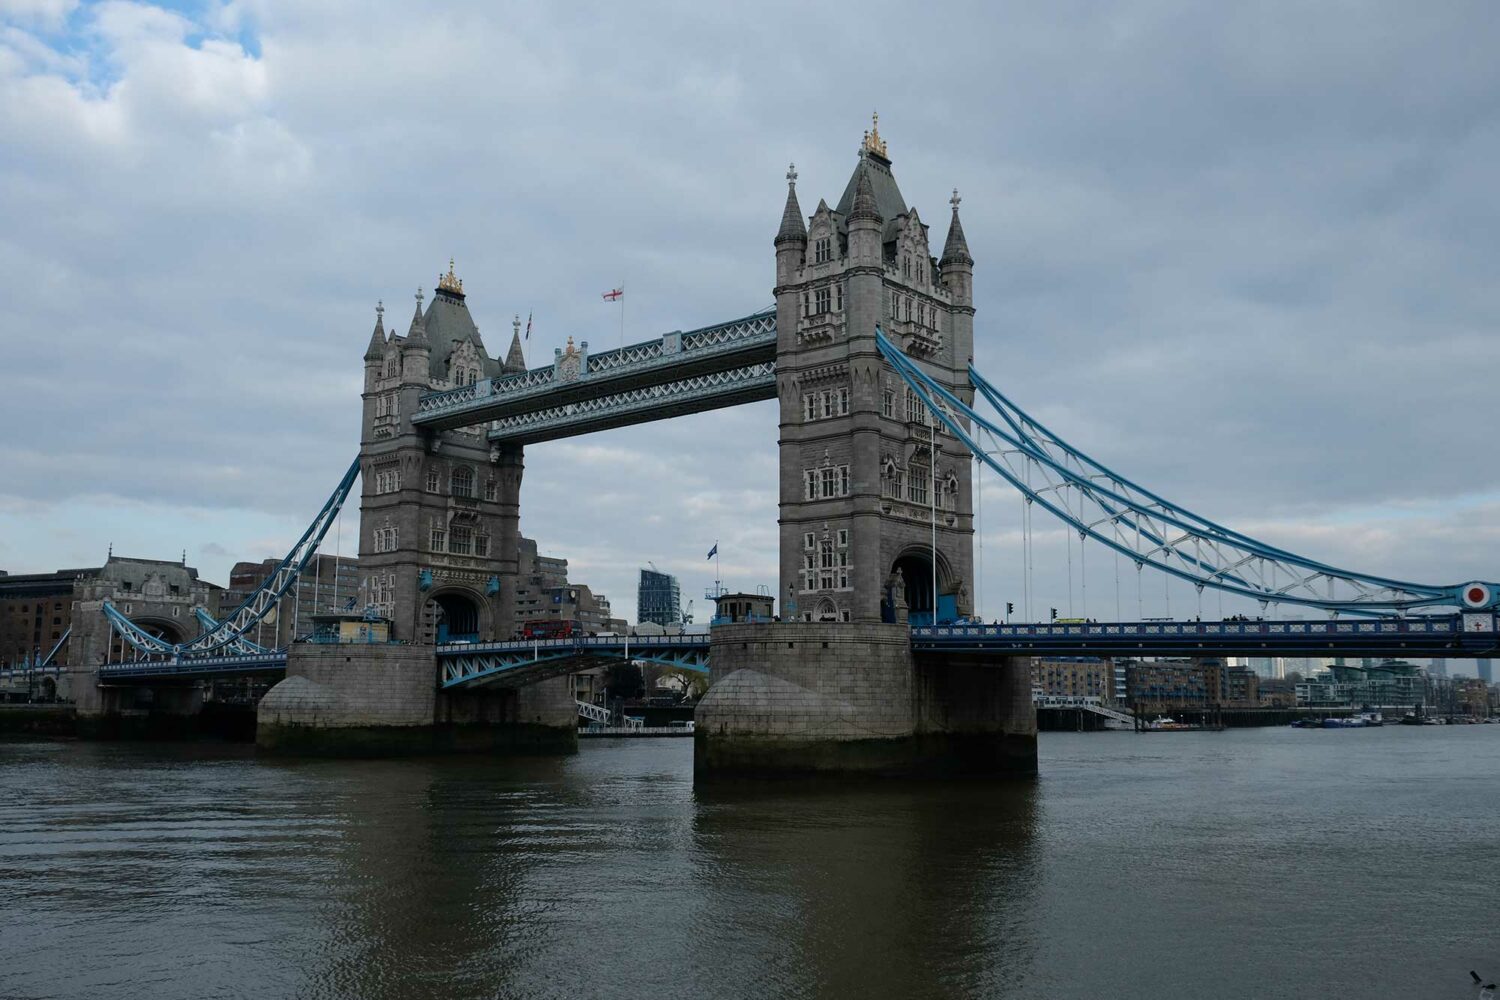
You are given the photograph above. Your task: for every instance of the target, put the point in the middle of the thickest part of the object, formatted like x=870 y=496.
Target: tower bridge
x=882 y=422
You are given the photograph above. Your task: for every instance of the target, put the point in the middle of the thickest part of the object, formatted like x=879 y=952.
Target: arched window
x=390 y=366
x=462 y=483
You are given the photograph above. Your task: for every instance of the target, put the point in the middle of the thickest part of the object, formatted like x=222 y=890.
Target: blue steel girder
x=1099 y=504
x=580 y=377
x=526 y=662
x=1469 y=635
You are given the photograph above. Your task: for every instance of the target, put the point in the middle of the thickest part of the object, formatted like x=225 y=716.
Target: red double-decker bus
x=564 y=629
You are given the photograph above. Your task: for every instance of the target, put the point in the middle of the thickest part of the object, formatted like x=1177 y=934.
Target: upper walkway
x=679 y=373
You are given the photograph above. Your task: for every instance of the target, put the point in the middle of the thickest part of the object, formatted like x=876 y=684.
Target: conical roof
x=956 y=249
x=793 y=228
x=376 y=350
x=515 y=358
x=416 y=334
x=875 y=170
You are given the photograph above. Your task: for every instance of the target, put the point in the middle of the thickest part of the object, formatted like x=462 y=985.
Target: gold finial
x=873 y=142
x=571 y=348
x=450 y=282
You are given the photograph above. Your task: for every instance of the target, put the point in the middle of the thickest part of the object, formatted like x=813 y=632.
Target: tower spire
x=864 y=199
x=417 y=333
x=793 y=229
x=515 y=358
x=376 y=350
x=956 y=249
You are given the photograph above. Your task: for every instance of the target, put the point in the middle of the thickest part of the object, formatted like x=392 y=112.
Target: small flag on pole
x=528 y=326
x=613 y=294
x=713 y=551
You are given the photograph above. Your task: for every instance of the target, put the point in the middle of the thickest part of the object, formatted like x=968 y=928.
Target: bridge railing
x=1394 y=627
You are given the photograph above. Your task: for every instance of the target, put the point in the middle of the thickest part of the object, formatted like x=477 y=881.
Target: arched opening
x=48 y=689
x=826 y=611
x=915 y=581
x=456 y=617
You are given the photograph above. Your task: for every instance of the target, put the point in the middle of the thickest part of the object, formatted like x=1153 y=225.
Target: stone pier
x=805 y=698
x=383 y=700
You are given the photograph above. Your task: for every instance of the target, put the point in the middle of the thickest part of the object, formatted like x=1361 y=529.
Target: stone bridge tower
x=439 y=511
x=865 y=474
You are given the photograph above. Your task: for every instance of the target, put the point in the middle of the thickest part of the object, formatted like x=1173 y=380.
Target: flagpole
x=622 y=318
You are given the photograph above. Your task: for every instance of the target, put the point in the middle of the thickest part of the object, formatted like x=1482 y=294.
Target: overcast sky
x=1245 y=254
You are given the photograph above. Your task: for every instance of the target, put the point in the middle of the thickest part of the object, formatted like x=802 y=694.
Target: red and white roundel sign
x=1476 y=595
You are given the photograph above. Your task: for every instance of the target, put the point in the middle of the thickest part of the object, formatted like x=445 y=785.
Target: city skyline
x=1286 y=255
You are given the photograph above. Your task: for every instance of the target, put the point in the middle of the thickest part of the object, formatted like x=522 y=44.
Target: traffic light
x=1054 y=614
x=1010 y=609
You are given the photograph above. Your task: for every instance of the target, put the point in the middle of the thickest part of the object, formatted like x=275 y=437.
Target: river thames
x=1250 y=863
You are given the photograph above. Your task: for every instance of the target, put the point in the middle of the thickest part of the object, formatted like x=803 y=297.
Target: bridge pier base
x=136 y=711
x=383 y=701
x=793 y=698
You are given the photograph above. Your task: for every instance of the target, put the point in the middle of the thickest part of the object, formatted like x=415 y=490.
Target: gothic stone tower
x=859 y=454
x=439 y=512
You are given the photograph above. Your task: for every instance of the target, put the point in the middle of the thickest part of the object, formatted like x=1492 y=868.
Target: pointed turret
x=864 y=201
x=417 y=332
x=515 y=358
x=376 y=350
x=793 y=228
x=956 y=250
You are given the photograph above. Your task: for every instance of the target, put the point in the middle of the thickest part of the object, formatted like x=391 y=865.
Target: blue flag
x=713 y=551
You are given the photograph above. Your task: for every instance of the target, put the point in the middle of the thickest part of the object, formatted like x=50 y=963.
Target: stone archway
x=456 y=616
x=913 y=568
x=826 y=611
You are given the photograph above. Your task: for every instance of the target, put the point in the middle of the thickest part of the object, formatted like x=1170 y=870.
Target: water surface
x=1252 y=863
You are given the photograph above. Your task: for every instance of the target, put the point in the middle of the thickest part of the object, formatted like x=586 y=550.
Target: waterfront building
x=37 y=609
x=1390 y=686
x=658 y=598
x=1471 y=696
x=543 y=593
x=1073 y=677
x=328 y=583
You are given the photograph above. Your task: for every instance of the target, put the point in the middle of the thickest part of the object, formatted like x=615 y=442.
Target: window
x=481 y=545
x=380 y=405
x=810 y=406
x=826 y=574
x=916 y=410
x=843 y=538
x=490 y=490
x=807 y=540
x=843 y=407
x=809 y=485
x=439 y=539
x=434 y=479
x=462 y=483
x=393 y=407
x=917 y=483
x=828 y=481
x=830 y=404
x=462 y=542
x=843 y=480
x=838 y=297
x=822 y=251
x=822 y=300
x=385 y=540
x=809 y=573
x=888 y=402
x=390 y=366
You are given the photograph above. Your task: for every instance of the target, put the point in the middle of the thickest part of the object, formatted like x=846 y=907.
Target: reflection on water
x=1264 y=864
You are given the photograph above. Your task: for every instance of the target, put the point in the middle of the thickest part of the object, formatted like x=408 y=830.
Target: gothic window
x=385 y=540
x=843 y=407
x=888 y=402
x=380 y=406
x=807 y=540
x=489 y=489
x=809 y=573
x=843 y=480
x=481 y=545
x=822 y=300
x=917 y=482
x=843 y=570
x=951 y=491
x=439 y=539
x=805 y=310
x=829 y=404
x=822 y=251
x=838 y=297
x=434 y=479
x=810 y=484
x=462 y=542
x=828 y=481
x=826 y=574
x=843 y=538
x=390 y=366
x=462 y=483
x=810 y=406
x=905 y=266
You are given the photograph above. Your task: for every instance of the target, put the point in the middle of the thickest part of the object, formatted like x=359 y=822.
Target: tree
x=623 y=679
x=692 y=683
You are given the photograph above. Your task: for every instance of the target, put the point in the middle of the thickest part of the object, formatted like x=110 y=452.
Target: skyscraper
x=658 y=598
x=1486 y=672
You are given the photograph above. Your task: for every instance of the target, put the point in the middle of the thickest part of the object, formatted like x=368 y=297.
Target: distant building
x=1178 y=685
x=1486 y=671
x=1471 y=696
x=658 y=598
x=543 y=593
x=1388 y=686
x=1439 y=668
x=1073 y=677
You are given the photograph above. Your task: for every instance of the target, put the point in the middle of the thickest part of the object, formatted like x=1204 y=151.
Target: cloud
x=1243 y=257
